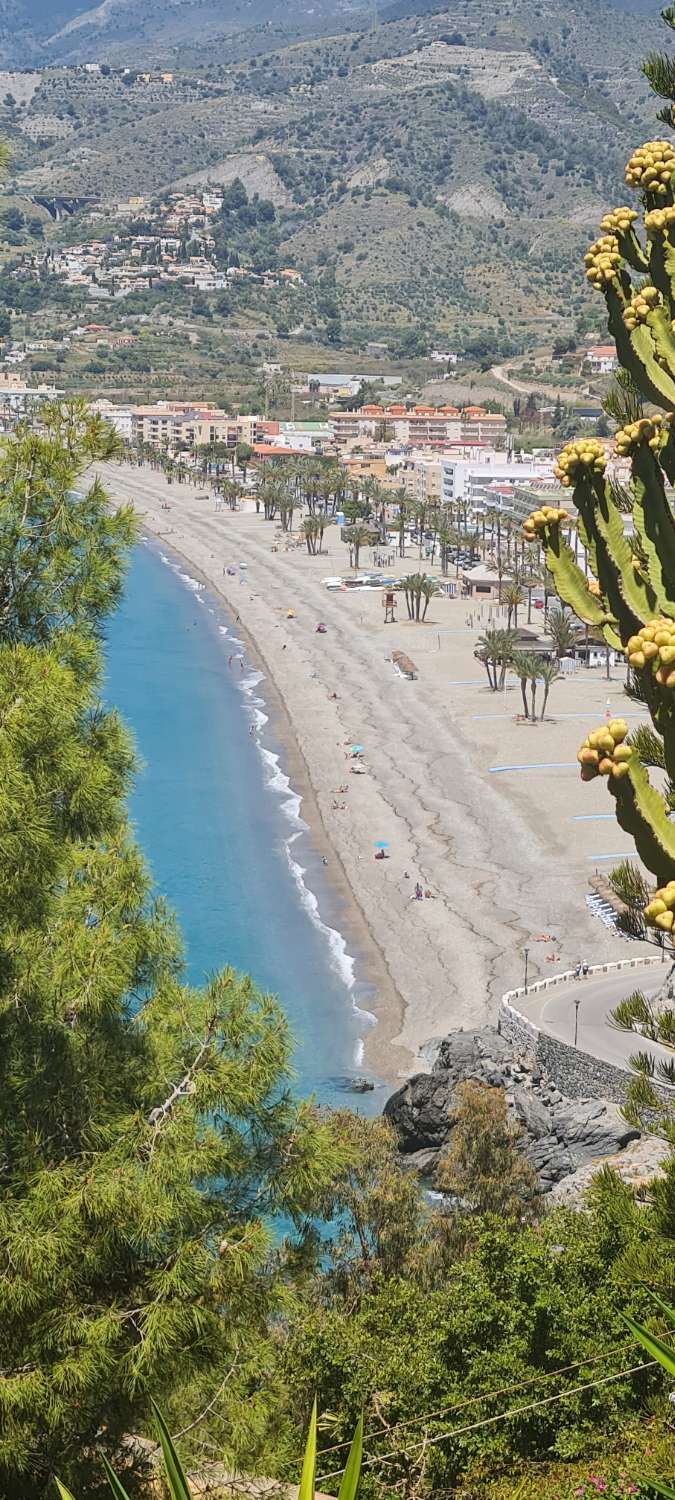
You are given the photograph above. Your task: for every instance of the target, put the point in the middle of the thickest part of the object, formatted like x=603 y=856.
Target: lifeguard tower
x=389 y=605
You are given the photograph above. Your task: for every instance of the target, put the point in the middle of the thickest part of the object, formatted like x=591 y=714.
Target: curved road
x=553 y=1011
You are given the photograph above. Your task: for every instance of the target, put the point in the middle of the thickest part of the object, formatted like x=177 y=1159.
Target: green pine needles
x=148 y=1134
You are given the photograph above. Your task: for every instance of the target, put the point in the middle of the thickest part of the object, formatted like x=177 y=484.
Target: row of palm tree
x=497 y=651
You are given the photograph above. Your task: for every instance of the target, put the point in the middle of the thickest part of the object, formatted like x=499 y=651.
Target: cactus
x=630 y=595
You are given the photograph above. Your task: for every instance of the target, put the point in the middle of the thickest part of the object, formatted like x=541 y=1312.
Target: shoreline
x=505 y=858
x=371 y=969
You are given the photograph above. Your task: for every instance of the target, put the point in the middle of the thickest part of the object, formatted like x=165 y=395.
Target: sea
x=221 y=827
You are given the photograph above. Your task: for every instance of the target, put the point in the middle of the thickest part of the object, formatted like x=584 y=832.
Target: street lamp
x=577 y=1003
x=526 y=952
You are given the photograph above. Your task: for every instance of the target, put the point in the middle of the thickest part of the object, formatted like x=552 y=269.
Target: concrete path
x=553 y=1011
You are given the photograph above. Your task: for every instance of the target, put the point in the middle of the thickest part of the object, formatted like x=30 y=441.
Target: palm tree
x=530 y=668
x=560 y=626
x=494 y=650
x=513 y=598
x=524 y=665
x=358 y=537
x=313 y=528
x=549 y=672
x=418 y=587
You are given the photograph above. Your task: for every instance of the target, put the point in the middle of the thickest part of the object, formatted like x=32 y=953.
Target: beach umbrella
x=357 y=749
x=382 y=843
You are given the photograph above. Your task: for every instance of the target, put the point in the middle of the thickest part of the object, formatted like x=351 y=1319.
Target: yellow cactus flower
x=654 y=644
x=602 y=261
x=618 y=220
x=650 y=430
x=604 y=753
x=640 y=306
x=651 y=168
x=583 y=454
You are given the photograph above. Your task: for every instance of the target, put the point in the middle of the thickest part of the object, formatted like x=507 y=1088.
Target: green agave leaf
x=609 y=522
x=643 y=345
x=117 y=1488
x=659 y=323
x=641 y=812
x=655 y=531
x=63 y=1492
x=352 y=1474
x=668 y=1311
x=178 y=1484
x=306 y=1490
x=633 y=252
x=638 y=358
x=654 y=1346
x=570 y=583
x=661 y=1488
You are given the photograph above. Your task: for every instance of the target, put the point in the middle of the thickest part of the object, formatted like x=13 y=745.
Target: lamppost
x=577 y=1003
x=526 y=952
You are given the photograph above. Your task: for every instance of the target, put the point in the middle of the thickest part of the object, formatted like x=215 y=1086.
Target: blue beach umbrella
x=382 y=843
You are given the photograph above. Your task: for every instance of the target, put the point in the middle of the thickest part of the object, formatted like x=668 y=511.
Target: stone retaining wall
x=576 y=1073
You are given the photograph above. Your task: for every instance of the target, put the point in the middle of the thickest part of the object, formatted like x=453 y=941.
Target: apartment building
x=183 y=424
x=420 y=426
x=478 y=485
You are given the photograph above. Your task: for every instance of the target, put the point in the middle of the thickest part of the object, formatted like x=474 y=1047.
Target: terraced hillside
x=440 y=170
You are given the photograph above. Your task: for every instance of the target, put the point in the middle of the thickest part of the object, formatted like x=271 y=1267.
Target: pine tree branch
x=186 y=1085
x=207 y=1409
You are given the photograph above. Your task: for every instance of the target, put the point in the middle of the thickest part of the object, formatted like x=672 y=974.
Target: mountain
x=441 y=170
x=36 y=32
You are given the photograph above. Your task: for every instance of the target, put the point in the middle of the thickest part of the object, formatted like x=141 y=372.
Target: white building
x=601 y=359
x=119 y=417
x=480 y=484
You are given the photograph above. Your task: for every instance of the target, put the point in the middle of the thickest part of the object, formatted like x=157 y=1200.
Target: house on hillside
x=601 y=359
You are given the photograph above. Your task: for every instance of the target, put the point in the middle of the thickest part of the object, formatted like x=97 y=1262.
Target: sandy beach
x=487 y=813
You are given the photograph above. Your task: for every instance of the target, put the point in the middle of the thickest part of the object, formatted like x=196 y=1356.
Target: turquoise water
x=220 y=825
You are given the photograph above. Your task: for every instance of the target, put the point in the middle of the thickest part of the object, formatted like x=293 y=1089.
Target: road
x=554 y=1012
x=498 y=372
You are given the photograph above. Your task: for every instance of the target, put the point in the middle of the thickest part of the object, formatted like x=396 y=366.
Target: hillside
x=37 y=32
x=440 y=171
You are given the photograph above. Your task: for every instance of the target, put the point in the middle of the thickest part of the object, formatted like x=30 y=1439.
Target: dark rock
x=419 y=1111
x=592 y=1128
x=559 y=1134
x=354 y=1085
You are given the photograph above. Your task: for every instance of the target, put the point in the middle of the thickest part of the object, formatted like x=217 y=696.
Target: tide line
x=537 y=765
x=622 y=854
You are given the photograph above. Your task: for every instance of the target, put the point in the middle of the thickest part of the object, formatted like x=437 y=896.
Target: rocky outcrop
x=559 y=1135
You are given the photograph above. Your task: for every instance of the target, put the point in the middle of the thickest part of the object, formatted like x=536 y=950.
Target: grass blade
x=117 y=1488
x=658 y=1350
x=306 y=1490
x=669 y=1311
x=63 y=1492
x=352 y=1474
x=178 y=1484
x=663 y=1489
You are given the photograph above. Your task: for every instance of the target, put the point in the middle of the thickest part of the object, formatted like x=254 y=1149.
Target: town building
x=420 y=426
x=177 y=425
x=601 y=359
x=479 y=484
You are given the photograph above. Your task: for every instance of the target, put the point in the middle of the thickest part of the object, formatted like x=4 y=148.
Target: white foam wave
x=191 y=582
x=341 y=960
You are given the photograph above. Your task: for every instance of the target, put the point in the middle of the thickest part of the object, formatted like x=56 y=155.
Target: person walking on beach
x=584 y=969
